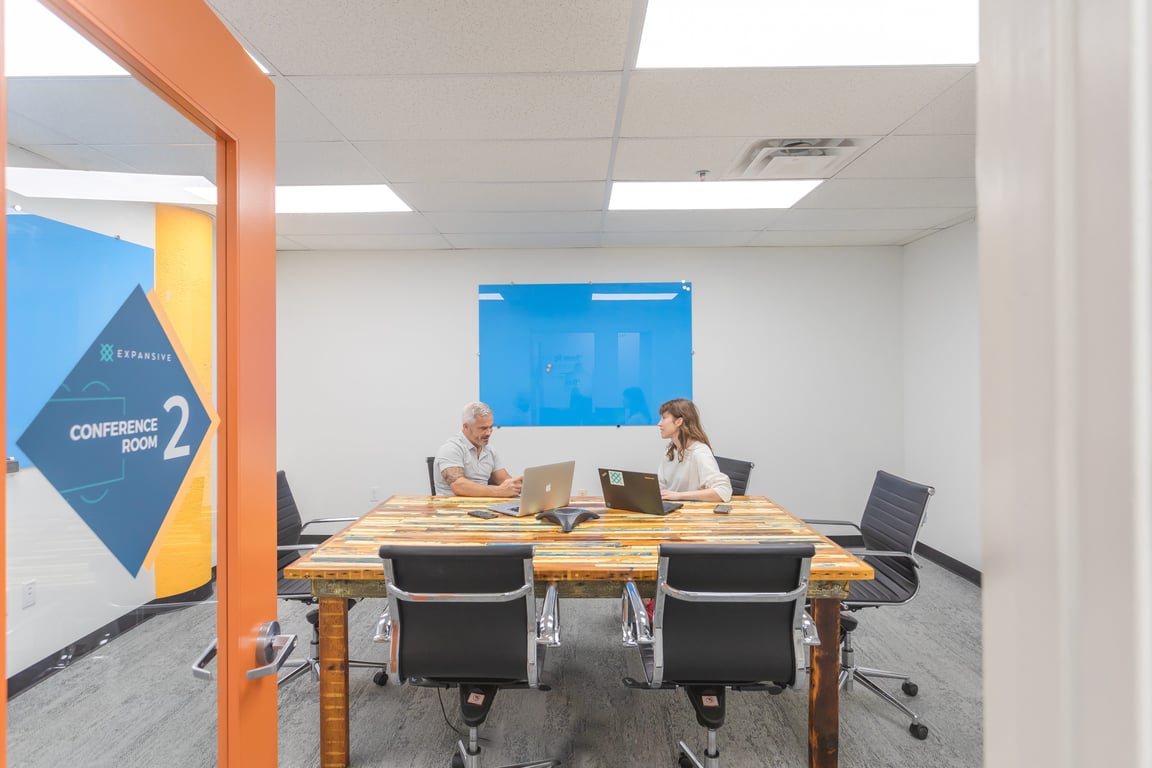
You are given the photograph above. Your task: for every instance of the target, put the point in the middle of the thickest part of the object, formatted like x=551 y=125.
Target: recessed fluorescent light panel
x=106 y=185
x=192 y=190
x=38 y=44
x=347 y=198
x=808 y=33
x=708 y=195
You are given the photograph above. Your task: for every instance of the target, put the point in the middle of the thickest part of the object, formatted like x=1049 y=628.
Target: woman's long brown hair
x=691 y=430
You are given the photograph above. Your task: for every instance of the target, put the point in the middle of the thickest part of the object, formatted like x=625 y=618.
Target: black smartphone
x=482 y=513
x=722 y=509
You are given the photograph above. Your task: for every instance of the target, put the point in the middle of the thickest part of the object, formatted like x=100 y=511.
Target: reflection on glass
x=111 y=414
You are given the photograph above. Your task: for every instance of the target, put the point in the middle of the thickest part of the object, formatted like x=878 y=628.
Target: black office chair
x=465 y=617
x=290 y=543
x=432 y=475
x=889 y=527
x=727 y=616
x=738 y=472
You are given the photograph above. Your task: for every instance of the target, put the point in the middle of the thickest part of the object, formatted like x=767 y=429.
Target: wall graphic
x=117 y=437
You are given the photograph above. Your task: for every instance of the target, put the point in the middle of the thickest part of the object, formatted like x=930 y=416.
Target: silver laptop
x=545 y=487
x=634 y=492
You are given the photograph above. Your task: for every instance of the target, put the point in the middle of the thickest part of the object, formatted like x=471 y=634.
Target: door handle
x=272 y=650
x=200 y=667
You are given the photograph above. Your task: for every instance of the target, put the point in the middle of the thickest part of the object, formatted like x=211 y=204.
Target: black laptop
x=634 y=492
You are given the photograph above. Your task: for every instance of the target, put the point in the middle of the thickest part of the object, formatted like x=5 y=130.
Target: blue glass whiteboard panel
x=584 y=353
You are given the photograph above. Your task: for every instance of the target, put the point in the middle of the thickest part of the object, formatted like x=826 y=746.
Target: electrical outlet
x=28 y=594
x=374 y=493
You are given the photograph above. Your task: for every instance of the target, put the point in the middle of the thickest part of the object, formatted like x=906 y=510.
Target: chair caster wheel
x=918 y=730
x=685 y=761
x=457 y=761
x=380 y=678
x=910 y=688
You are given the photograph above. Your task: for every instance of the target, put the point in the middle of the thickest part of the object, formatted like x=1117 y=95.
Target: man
x=465 y=465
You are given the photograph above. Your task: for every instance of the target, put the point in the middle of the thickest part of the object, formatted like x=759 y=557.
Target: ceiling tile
x=344 y=242
x=463 y=160
x=293 y=224
x=561 y=196
x=101 y=110
x=688 y=221
x=80 y=157
x=297 y=119
x=667 y=239
x=892 y=193
x=23 y=130
x=869 y=218
x=474 y=221
x=916 y=157
x=24 y=157
x=369 y=37
x=526 y=240
x=287 y=244
x=801 y=103
x=676 y=159
x=954 y=111
x=467 y=107
x=841 y=237
x=180 y=159
x=323 y=162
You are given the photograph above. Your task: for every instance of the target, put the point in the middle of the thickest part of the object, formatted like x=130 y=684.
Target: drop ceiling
x=502 y=124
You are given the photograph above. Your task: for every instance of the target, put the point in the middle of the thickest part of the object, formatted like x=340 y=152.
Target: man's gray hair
x=473 y=411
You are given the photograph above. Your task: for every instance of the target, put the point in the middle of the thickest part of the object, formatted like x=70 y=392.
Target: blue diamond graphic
x=118 y=437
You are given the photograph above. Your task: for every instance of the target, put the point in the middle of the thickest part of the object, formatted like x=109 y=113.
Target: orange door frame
x=181 y=50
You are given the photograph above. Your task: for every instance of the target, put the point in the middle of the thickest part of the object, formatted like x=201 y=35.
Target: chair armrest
x=884 y=553
x=634 y=617
x=295 y=547
x=808 y=633
x=548 y=623
x=329 y=520
x=814 y=521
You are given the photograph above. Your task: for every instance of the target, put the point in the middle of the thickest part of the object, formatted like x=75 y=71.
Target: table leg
x=333 y=682
x=824 y=686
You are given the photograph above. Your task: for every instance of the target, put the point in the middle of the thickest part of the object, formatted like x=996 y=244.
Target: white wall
x=798 y=366
x=79 y=585
x=942 y=386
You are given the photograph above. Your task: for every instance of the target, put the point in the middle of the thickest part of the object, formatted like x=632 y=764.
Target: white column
x=1063 y=180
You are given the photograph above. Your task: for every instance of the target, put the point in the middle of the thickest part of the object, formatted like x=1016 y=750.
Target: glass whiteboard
x=606 y=354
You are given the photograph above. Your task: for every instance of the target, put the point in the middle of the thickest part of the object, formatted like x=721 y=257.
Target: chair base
x=312 y=660
x=300 y=666
x=851 y=674
x=467 y=759
x=688 y=759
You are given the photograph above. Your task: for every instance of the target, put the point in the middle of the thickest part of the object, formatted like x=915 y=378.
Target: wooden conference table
x=594 y=560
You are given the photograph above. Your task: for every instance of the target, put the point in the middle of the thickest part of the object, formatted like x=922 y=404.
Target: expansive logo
x=119 y=435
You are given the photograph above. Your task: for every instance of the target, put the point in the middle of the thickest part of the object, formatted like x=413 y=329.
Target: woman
x=689 y=471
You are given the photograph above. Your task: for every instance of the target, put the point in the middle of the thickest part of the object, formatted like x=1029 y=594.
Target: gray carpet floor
x=134 y=702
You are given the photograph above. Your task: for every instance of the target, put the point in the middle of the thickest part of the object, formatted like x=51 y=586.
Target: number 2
x=172 y=450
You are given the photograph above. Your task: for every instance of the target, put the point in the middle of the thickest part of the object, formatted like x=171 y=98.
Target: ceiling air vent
x=795 y=158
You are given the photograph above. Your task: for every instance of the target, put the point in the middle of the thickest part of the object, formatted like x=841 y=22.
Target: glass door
x=137 y=598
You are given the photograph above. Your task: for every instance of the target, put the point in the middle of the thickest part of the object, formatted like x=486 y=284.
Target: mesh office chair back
x=738 y=472
x=891 y=523
x=731 y=642
x=462 y=641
